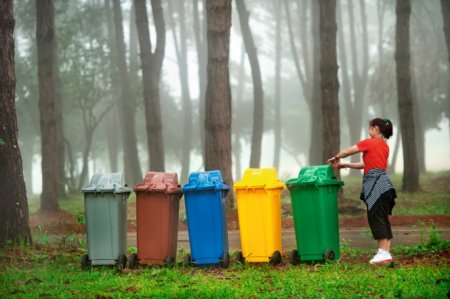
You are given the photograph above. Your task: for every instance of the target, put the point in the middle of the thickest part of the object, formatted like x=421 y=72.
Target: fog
x=429 y=71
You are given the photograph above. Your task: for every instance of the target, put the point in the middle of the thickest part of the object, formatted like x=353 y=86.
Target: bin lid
x=265 y=178
x=164 y=182
x=207 y=180
x=107 y=182
x=315 y=175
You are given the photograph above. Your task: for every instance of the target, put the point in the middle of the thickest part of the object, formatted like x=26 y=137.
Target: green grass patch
x=44 y=270
x=32 y=272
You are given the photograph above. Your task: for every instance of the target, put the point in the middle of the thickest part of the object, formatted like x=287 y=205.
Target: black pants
x=378 y=217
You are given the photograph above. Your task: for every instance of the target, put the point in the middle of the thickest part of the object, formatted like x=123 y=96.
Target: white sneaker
x=381 y=257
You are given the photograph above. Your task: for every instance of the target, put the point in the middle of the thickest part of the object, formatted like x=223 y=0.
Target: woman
x=377 y=189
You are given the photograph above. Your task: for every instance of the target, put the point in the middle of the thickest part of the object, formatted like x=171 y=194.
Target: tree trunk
x=151 y=74
x=112 y=126
x=27 y=161
x=200 y=43
x=237 y=149
x=316 y=148
x=346 y=92
x=258 y=93
x=445 y=8
x=112 y=139
x=45 y=37
x=405 y=101
x=218 y=93
x=132 y=167
x=13 y=203
x=62 y=181
x=134 y=61
x=420 y=130
x=181 y=51
x=277 y=100
x=72 y=185
x=329 y=79
x=187 y=105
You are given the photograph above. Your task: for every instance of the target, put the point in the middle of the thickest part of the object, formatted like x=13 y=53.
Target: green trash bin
x=105 y=206
x=314 y=205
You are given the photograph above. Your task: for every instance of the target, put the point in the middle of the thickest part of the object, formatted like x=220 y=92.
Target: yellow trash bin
x=258 y=197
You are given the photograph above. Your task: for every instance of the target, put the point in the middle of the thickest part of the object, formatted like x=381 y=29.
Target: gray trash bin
x=105 y=206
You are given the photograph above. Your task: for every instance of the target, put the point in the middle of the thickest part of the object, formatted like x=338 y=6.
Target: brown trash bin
x=157 y=206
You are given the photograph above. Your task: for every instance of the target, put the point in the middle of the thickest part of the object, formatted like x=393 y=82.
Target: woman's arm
x=344 y=153
x=357 y=165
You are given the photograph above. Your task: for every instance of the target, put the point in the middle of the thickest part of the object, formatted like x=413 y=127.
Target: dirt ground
x=63 y=223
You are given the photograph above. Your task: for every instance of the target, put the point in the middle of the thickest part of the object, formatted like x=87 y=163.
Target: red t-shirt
x=375 y=153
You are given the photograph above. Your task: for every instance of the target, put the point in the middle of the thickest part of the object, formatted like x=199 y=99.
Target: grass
x=31 y=272
x=54 y=272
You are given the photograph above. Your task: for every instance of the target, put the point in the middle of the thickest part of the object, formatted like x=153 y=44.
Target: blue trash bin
x=206 y=213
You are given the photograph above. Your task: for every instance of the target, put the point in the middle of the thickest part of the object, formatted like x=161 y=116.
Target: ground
x=65 y=223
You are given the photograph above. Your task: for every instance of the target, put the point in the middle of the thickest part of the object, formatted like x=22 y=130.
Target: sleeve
x=364 y=145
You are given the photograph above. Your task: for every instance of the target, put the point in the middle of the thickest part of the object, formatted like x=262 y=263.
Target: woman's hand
x=333 y=160
x=340 y=165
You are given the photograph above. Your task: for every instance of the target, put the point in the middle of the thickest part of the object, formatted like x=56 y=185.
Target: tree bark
x=45 y=37
x=329 y=79
x=132 y=167
x=218 y=93
x=258 y=93
x=200 y=37
x=151 y=74
x=277 y=101
x=405 y=101
x=13 y=203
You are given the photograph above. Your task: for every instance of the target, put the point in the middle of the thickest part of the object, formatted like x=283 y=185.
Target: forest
x=196 y=96
x=182 y=86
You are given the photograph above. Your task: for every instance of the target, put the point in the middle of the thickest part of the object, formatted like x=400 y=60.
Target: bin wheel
x=276 y=258
x=133 y=261
x=169 y=261
x=225 y=260
x=329 y=255
x=121 y=262
x=85 y=262
x=294 y=258
x=187 y=261
x=240 y=257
